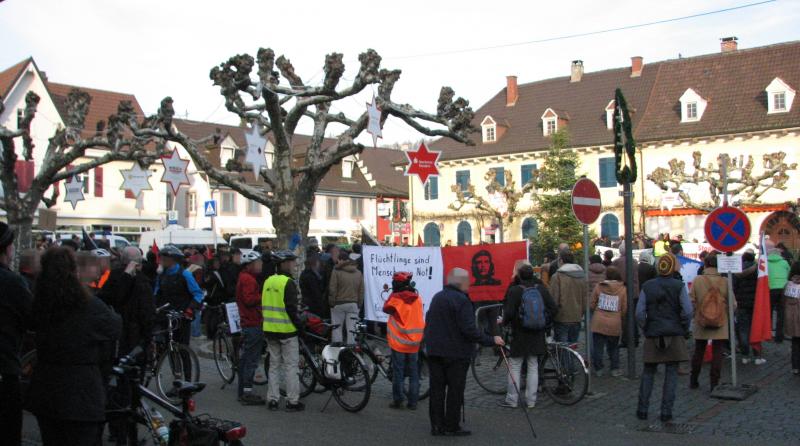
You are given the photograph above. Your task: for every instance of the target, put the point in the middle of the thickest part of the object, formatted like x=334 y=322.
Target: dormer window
x=779 y=96
x=610 y=114
x=549 y=122
x=489 y=128
x=347 y=168
x=226 y=153
x=692 y=106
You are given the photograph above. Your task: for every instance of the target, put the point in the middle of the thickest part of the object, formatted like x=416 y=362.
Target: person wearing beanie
x=15 y=314
x=664 y=313
x=405 y=327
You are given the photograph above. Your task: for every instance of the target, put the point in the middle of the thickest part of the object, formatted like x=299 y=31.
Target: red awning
x=753 y=208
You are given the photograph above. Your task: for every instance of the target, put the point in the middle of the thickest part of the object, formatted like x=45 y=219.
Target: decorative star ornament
x=256 y=145
x=136 y=179
x=74 y=188
x=175 y=171
x=423 y=163
x=374 y=123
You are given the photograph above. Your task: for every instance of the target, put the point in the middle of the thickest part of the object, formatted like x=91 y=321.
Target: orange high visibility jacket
x=406 y=321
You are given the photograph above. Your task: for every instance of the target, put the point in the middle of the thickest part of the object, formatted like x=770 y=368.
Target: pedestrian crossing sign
x=210 y=207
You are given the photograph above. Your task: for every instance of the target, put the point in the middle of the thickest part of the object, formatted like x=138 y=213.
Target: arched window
x=431 y=234
x=530 y=228
x=464 y=233
x=609 y=226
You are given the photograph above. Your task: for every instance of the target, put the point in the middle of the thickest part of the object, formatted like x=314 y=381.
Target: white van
x=179 y=236
x=249 y=241
x=114 y=241
x=339 y=238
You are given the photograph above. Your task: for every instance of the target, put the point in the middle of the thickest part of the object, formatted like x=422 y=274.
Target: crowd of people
x=85 y=313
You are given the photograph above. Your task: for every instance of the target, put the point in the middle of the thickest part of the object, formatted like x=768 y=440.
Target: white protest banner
x=234 y=322
x=381 y=262
x=729 y=264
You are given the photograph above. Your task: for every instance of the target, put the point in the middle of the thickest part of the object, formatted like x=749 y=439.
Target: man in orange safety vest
x=404 y=333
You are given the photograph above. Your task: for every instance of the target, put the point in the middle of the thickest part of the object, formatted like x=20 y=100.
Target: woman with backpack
x=709 y=296
x=609 y=305
x=527 y=332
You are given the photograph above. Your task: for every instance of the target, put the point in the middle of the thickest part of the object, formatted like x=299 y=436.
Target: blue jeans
x=197 y=324
x=668 y=392
x=399 y=363
x=566 y=331
x=599 y=344
x=249 y=354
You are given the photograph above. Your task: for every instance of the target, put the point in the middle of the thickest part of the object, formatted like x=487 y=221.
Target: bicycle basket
x=186 y=433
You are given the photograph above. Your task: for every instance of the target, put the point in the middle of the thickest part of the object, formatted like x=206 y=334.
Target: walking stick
x=516 y=387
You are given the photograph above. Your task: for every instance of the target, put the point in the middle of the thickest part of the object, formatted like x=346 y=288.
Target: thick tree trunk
x=23 y=227
x=292 y=215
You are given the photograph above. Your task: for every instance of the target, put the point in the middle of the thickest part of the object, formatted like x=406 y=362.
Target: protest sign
x=381 y=262
x=234 y=321
x=689 y=269
x=489 y=266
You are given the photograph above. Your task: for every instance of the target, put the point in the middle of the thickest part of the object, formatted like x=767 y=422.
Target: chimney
x=512 y=94
x=636 y=66
x=44 y=76
x=728 y=44
x=577 y=71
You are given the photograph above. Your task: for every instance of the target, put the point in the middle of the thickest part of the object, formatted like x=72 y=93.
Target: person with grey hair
x=450 y=337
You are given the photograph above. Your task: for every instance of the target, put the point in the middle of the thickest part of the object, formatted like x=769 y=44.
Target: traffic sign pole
x=588 y=315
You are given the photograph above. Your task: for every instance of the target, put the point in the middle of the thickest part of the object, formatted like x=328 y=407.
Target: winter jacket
x=450 y=329
x=406 y=323
x=526 y=342
x=347 y=285
x=700 y=288
x=778 y=269
x=744 y=286
x=568 y=288
x=609 y=303
x=312 y=292
x=597 y=274
x=67 y=383
x=248 y=300
x=664 y=308
x=229 y=272
x=15 y=314
x=131 y=296
x=791 y=305
x=215 y=288
x=619 y=264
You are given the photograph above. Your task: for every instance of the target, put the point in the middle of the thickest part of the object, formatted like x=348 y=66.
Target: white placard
x=729 y=264
x=384 y=209
x=381 y=262
x=234 y=322
x=608 y=302
x=792 y=290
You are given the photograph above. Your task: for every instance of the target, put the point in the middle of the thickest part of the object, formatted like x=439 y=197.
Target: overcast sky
x=155 y=48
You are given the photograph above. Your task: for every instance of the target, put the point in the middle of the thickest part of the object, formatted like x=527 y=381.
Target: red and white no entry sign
x=586 y=201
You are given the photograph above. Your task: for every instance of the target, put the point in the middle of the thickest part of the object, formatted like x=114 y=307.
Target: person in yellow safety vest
x=281 y=327
x=404 y=333
x=661 y=246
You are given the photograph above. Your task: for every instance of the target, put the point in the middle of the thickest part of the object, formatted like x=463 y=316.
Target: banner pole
x=588 y=315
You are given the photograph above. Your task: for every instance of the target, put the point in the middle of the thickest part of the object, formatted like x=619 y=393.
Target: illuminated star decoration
x=422 y=163
x=74 y=188
x=136 y=179
x=255 y=149
x=374 y=123
x=175 y=171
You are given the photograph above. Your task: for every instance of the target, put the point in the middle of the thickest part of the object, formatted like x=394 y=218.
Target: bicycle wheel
x=489 y=371
x=372 y=361
x=564 y=376
x=353 y=394
x=225 y=357
x=172 y=366
x=308 y=381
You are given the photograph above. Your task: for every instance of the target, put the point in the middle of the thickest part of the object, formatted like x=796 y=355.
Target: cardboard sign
x=234 y=322
x=729 y=264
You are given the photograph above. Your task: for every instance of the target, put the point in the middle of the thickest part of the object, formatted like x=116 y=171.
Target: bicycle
x=126 y=403
x=563 y=373
x=226 y=350
x=379 y=363
x=354 y=380
x=167 y=358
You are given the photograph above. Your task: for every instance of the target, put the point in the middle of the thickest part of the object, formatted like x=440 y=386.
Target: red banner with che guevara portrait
x=490 y=266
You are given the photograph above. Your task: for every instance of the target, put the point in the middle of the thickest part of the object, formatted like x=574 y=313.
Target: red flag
x=761 y=329
x=490 y=266
x=155 y=251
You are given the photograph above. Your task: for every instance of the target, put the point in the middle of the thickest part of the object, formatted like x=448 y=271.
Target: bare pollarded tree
x=64 y=156
x=253 y=90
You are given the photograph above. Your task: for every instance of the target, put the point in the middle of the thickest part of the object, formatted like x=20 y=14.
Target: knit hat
x=6 y=235
x=667 y=264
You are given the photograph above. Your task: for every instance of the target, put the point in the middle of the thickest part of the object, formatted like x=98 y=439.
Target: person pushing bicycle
x=404 y=333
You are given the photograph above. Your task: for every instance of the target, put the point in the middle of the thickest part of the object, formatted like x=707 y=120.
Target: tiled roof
x=9 y=76
x=199 y=130
x=104 y=104
x=733 y=83
x=381 y=163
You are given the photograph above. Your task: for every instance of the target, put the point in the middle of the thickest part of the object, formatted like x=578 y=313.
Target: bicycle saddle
x=185 y=389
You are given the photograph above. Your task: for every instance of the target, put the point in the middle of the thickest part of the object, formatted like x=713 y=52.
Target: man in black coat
x=450 y=337
x=526 y=345
x=15 y=315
